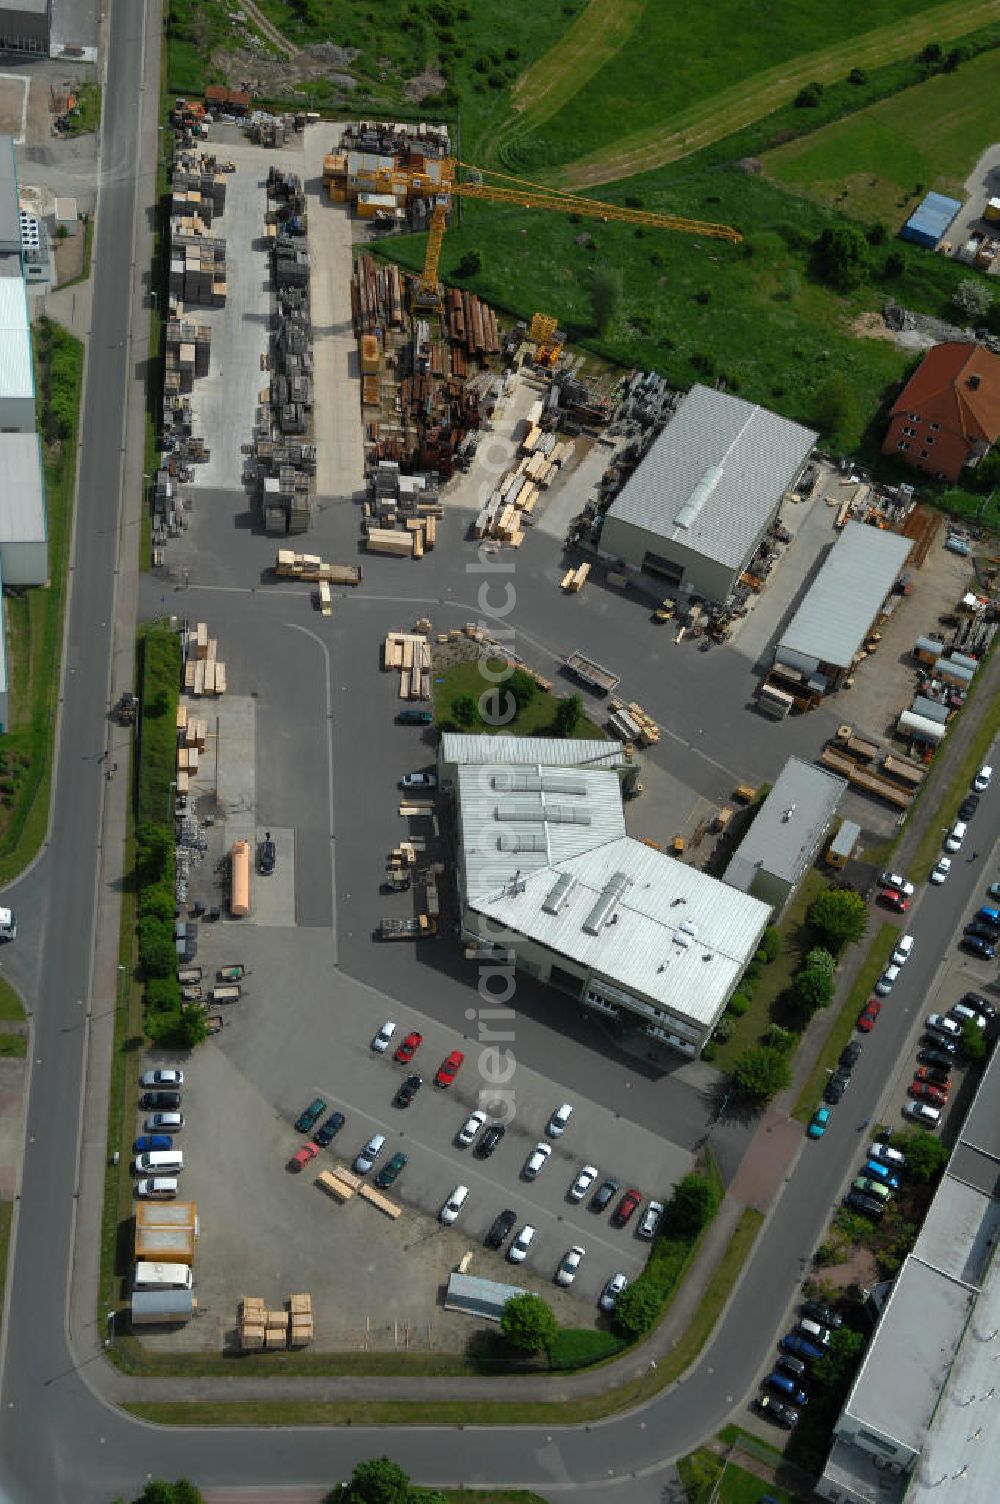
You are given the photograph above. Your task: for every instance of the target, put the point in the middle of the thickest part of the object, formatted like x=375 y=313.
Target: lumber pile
x=204 y=671
x=509 y=508
x=410 y=654
x=575 y=579
x=301 y=1323
x=263 y=1329
x=630 y=723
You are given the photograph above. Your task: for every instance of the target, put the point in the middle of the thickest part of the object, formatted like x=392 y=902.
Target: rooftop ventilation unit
x=528 y=841
x=558 y=895
x=702 y=491
x=513 y=812
x=604 y=908
x=526 y=782
x=565 y=814
x=681 y=939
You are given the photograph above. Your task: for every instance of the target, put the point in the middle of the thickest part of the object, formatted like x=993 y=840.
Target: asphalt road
x=58 y=1440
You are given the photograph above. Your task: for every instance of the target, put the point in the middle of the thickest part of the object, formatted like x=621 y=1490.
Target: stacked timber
x=252 y=1323
x=409 y=653
x=204 y=671
x=301 y=1328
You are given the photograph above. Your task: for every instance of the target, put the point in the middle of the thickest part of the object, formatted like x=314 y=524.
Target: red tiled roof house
x=948 y=414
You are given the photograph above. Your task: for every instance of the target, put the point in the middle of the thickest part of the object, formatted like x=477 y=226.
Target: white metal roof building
x=459 y=749
x=10 y=225
x=17 y=378
x=4 y=706
x=843 y=602
x=631 y=932
x=779 y=847
x=703 y=498
x=24 y=543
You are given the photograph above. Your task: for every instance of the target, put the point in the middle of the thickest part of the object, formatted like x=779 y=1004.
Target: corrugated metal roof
x=17 y=378
x=530 y=751
x=715 y=475
x=478 y=1297
x=3 y=638
x=670 y=933
x=858 y=574
x=22 y=497
x=788 y=826
x=933 y=215
x=10 y=226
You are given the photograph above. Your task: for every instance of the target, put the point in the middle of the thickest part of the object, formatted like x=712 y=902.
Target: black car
x=501 y=1229
x=408 y=1090
x=794 y=1366
x=825 y=1315
x=943 y=1046
x=869 y=1206
x=606 y=1191
x=980 y=931
x=968 y=807
x=850 y=1055
x=267 y=855
x=160 y=1099
x=782 y=1414
x=935 y=1058
x=329 y=1130
x=836 y=1086
x=979 y=1004
x=489 y=1140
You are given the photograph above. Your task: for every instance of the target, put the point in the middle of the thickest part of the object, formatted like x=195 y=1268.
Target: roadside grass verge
x=872 y=967
x=6 y=1216
x=88 y=254
x=11 y=1007
x=535 y=719
x=35 y=616
x=88 y=110
x=14 y=1046
x=718 y=1291
x=710 y=1478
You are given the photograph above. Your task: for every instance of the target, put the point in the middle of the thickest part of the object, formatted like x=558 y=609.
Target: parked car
x=586 y=1176
x=923 y=1091
x=489 y=1141
x=518 y=1250
x=981 y=782
x=978 y=1004
x=607 y=1189
x=163 y=1122
x=868 y=1015
x=871 y=1186
x=408 y=1090
x=383 y=1038
x=836 y=1086
x=786 y=1386
x=267 y=855
x=980 y=930
x=994 y=890
x=650 y=1221
x=152 y=1143
x=370 y=1153
x=903 y=951
x=955 y=836
x=162 y=1078
x=934 y=1076
x=940 y=1023
x=894 y=880
x=415 y=718
x=408 y=1047
x=968 y=807
x=800 y=1347
x=979 y=946
x=927 y=1117
x=157 y=1188
x=941 y=1043
x=868 y=1206
x=325 y=1135
x=471 y=1127
x=449 y=1068
x=814 y=1331
x=626 y=1208
x=815 y=1310
x=569 y=1265
x=876 y=1171
x=885 y=1154
x=940 y=870
x=614 y=1287
x=850 y=1055
x=963 y=1015
x=819 y=1122
x=894 y=899
x=937 y=1058
x=887 y=980
x=302 y=1156
x=774 y=1409
x=500 y=1229
x=559 y=1120
x=449 y=1212
x=794 y=1366
x=390 y=1173
x=171 y=1099
x=536 y=1160
x=418 y=781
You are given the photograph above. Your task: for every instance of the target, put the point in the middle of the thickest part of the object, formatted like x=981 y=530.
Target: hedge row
x=691 y=1208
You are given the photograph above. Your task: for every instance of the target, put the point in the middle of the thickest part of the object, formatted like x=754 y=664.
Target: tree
x=809 y=96
x=470 y=264
x=521 y=687
x=777 y=1038
x=973 y=299
x=820 y=962
x=192 y=1028
x=636 y=1309
x=834 y=406
x=155 y=845
x=691 y=1207
x=159 y=1491
x=761 y=1072
x=157 y=952
x=838 y=1365
x=770 y=943
x=895 y=264
x=811 y=990
x=857 y=76
x=465 y=710
x=380 y=1481
x=528 y=1323
x=839 y=916
x=605 y=296
x=973 y=1043
x=842 y=257
x=926 y=1156
x=569 y=714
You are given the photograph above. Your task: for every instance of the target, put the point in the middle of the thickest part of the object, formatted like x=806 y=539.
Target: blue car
x=820 y=1119
x=979 y=946
x=989 y=916
x=148 y=1143
x=787 y=1387
x=329 y=1130
x=800 y=1347
x=875 y=1171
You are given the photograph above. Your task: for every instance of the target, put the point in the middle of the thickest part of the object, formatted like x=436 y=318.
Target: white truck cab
x=8 y=924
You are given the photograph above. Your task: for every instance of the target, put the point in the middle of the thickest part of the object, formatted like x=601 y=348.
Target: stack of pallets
x=410 y=653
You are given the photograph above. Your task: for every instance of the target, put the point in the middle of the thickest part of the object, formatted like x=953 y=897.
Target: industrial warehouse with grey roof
x=701 y=501
x=653 y=944
x=777 y=850
x=24 y=539
x=827 y=631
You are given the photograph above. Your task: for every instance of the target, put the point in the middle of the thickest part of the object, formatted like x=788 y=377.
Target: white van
x=162 y=1277
x=160 y=1162
x=157 y=1188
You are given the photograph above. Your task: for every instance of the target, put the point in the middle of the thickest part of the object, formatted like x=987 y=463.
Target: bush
x=841 y=257
x=470 y=265
x=710 y=1051
x=636 y=1310
x=761 y=1072
x=157 y=952
x=770 y=943
x=692 y=1206
x=569 y=714
x=809 y=96
x=857 y=76
x=738 y=1004
x=522 y=687
x=724 y=1029
x=777 y=1038
x=753 y=971
x=163 y=994
x=465 y=711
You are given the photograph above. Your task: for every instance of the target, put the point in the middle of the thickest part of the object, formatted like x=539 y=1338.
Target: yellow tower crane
x=527 y=195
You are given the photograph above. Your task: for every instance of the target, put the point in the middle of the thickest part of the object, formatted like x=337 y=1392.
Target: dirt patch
x=871 y=326
x=12 y=91
x=860 y=1270
x=273 y=77
x=424 y=85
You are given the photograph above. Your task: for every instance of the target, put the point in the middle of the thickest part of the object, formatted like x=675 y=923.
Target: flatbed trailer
x=601 y=680
x=417 y=928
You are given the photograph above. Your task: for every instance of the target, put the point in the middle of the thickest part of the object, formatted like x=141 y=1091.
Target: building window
x=902 y=444
x=934 y=427
x=929 y=439
x=923 y=454
x=910 y=432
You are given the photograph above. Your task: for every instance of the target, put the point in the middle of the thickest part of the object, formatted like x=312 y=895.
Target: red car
x=893 y=899
x=868 y=1015
x=448 y=1069
x=302 y=1157
x=924 y=1092
x=626 y=1207
x=409 y=1047
x=934 y=1077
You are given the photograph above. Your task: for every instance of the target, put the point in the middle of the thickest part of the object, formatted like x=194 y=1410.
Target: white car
x=982 y=780
x=650 y=1220
x=884 y=1154
x=940 y=1023
x=162 y=1078
x=449 y=1212
x=885 y=982
x=955 y=836
x=894 y=880
x=583 y=1182
x=470 y=1128
x=383 y=1038
x=518 y=1250
x=614 y=1287
x=157 y=1188
x=940 y=870
x=418 y=781
x=921 y=1113
x=559 y=1120
x=536 y=1160
x=571 y=1261
x=370 y=1153
x=903 y=950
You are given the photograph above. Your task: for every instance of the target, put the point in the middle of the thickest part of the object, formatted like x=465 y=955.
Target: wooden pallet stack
x=301 y=1327
x=204 y=671
x=410 y=653
x=252 y=1323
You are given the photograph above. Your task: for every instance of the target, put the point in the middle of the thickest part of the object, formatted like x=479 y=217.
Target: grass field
x=710 y=1479
x=870 y=165
x=534 y=720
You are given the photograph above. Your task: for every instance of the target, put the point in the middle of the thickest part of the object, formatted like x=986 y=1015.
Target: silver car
x=583 y=1182
x=536 y=1160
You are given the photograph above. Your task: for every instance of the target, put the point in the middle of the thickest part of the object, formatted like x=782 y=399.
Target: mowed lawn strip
x=594 y=37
